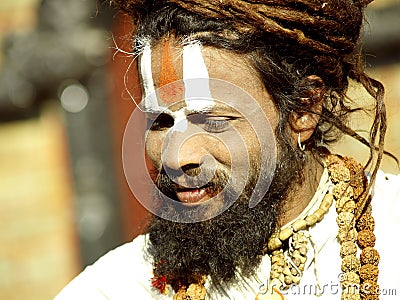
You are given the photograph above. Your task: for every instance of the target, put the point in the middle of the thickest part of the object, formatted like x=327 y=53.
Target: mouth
x=194 y=196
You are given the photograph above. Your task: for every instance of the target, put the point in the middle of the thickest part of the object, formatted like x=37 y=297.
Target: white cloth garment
x=124 y=273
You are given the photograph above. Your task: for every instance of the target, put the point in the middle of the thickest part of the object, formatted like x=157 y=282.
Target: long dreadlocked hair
x=286 y=41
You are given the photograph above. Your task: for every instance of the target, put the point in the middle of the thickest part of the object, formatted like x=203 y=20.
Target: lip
x=193 y=196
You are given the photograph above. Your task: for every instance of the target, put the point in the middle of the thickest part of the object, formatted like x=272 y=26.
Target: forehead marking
x=196 y=79
x=149 y=97
x=197 y=94
x=171 y=89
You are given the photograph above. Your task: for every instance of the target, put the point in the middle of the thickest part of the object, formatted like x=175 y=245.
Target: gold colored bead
x=369 y=256
x=277 y=253
x=299 y=238
x=366 y=238
x=294 y=272
x=366 y=222
x=369 y=272
x=326 y=202
x=274 y=243
x=196 y=292
x=299 y=225
x=296 y=254
x=277 y=268
x=340 y=203
x=345 y=219
x=347 y=235
x=275 y=274
x=350 y=263
x=288 y=280
x=311 y=220
x=277 y=258
x=349 y=279
x=348 y=248
x=319 y=213
x=303 y=250
x=296 y=261
x=286 y=271
x=181 y=294
x=369 y=287
x=352 y=277
x=349 y=206
x=285 y=233
x=342 y=189
x=339 y=172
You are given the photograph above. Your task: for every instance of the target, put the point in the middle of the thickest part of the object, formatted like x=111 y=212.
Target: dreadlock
x=286 y=41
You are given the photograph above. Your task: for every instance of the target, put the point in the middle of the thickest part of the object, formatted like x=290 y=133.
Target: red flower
x=160 y=283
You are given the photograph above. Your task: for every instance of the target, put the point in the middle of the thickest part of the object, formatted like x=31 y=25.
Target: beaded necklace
x=360 y=274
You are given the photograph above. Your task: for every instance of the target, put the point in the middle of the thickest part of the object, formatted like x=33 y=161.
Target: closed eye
x=209 y=123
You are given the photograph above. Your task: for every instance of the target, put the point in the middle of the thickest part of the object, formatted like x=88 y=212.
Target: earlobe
x=303 y=123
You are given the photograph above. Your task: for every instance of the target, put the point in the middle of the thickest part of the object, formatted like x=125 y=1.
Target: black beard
x=228 y=245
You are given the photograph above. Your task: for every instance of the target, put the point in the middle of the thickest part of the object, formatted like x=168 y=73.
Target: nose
x=180 y=150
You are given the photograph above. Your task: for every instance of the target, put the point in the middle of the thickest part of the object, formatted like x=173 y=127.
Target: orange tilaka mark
x=174 y=91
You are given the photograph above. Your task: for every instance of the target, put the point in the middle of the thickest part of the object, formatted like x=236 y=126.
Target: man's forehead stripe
x=171 y=88
x=149 y=97
x=195 y=76
x=167 y=72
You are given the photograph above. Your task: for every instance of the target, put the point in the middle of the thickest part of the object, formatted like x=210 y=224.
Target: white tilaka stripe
x=180 y=121
x=196 y=79
x=149 y=97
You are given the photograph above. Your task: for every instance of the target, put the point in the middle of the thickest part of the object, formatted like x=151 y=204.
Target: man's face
x=210 y=123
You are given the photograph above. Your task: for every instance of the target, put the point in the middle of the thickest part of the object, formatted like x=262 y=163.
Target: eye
x=159 y=121
x=214 y=124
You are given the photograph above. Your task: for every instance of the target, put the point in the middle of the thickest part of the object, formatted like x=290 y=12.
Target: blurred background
x=64 y=200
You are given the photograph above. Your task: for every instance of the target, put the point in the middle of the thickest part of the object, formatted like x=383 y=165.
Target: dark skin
x=180 y=150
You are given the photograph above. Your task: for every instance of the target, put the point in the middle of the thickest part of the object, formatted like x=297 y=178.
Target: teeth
x=192 y=195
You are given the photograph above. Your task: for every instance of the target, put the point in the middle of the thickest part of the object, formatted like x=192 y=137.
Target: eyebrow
x=158 y=110
x=222 y=109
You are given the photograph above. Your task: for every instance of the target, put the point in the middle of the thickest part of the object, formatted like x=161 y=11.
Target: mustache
x=171 y=181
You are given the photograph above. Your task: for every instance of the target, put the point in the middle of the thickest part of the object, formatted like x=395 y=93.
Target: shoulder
x=385 y=209
x=122 y=273
x=386 y=191
x=386 y=201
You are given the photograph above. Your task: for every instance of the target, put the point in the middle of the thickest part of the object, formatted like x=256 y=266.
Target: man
x=241 y=100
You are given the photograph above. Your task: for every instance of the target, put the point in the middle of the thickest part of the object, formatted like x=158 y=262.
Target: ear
x=304 y=122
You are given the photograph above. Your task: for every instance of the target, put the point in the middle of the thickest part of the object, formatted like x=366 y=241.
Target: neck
x=300 y=194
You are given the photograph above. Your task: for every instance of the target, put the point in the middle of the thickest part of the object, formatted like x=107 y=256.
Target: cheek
x=237 y=148
x=219 y=150
x=154 y=142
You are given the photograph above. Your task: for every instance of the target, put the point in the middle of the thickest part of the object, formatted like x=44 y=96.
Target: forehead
x=178 y=72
